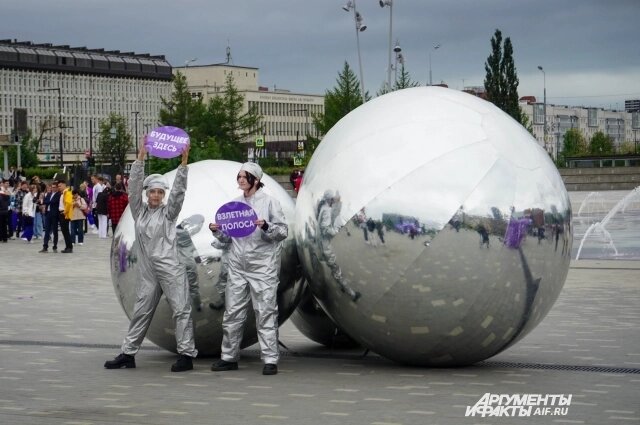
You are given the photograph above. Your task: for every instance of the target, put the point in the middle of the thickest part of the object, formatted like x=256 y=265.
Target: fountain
x=591 y=199
x=618 y=221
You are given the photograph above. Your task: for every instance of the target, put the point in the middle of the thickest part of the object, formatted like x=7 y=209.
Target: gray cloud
x=587 y=47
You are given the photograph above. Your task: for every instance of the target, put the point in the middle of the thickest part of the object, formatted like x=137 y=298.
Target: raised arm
x=136 y=178
x=176 y=197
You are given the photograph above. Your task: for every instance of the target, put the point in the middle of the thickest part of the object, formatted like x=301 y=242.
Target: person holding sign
x=159 y=269
x=253 y=267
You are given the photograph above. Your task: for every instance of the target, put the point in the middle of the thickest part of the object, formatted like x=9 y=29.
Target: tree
x=403 y=81
x=28 y=151
x=216 y=129
x=228 y=125
x=573 y=144
x=501 y=80
x=338 y=102
x=601 y=144
x=114 y=146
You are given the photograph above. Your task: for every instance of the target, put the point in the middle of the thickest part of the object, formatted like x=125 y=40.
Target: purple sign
x=166 y=142
x=236 y=219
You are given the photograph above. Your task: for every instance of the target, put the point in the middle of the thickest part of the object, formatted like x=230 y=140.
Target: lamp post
x=60 y=127
x=306 y=125
x=435 y=47
x=389 y=3
x=544 y=108
x=351 y=5
x=136 y=113
x=399 y=59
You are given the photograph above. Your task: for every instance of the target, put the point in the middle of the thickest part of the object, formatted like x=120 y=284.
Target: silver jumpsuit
x=159 y=270
x=254 y=268
x=327 y=230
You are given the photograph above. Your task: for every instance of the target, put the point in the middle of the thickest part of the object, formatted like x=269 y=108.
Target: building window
x=538 y=113
x=593 y=117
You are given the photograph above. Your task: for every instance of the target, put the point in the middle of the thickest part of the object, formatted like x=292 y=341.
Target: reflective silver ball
x=311 y=320
x=210 y=184
x=432 y=228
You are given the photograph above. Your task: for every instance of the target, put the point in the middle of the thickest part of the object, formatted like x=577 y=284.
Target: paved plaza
x=60 y=320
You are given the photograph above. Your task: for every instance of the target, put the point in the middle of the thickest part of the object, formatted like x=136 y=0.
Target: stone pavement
x=60 y=320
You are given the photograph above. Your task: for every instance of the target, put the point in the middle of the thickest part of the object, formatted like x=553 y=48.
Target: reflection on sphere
x=448 y=234
x=313 y=322
x=210 y=184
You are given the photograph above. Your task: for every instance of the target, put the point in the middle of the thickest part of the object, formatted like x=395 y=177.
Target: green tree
x=601 y=144
x=573 y=144
x=28 y=151
x=113 y=146
x=338 y=102
x=181 y=109
x=501 y=80
x=216 y=129
x=228 y=125
x=627 y=147
x=403 y=81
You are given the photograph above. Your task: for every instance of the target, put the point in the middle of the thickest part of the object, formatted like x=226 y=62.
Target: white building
x=78 y=87
x=621 y=126
x=287 y=117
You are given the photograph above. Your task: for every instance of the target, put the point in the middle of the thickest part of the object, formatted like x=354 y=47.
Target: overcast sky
x=589 y=49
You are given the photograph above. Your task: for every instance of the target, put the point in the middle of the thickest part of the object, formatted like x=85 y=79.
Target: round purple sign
x=236 y=219
x=166 y=142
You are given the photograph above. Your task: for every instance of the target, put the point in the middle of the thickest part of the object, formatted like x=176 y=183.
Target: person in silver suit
x=159 y=269
x=328 y=212
x=188 y=255
x=253 y=274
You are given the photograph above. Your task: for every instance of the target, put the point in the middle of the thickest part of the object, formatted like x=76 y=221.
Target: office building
x=71 y=89
x=287 y=116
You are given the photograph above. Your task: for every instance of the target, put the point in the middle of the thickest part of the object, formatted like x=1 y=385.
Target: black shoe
x=67 y=251
x=270 y=369
x=55 y=249
x=44 y=250
x=356 y=296
x=126 y=361
x=183 y=364
x=222 y=365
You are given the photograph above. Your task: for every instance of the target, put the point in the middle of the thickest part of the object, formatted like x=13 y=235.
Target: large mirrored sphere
x=210 y=184
x=311 y=320
x=433 y=228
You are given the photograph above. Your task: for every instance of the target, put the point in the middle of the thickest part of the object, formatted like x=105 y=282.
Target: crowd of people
x=33 y=210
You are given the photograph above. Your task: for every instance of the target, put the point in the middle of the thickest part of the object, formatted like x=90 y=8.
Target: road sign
x=259 y=142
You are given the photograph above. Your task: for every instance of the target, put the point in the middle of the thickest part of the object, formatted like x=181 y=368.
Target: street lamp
x=389 y=3
x=399 y=59
x=351 y=5
x=59 y=120
x=435 y=47
x=544 y=108
x=306 y=111
x=136 y=113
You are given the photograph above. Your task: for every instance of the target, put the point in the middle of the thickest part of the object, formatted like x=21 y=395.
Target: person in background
x=51 y=217
x=29 y=213
x=96 y=187
x=103 y=212
x=65 y=208
x=77 y=218
x=159 y=271
x=5 y=201
x=116 y=204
